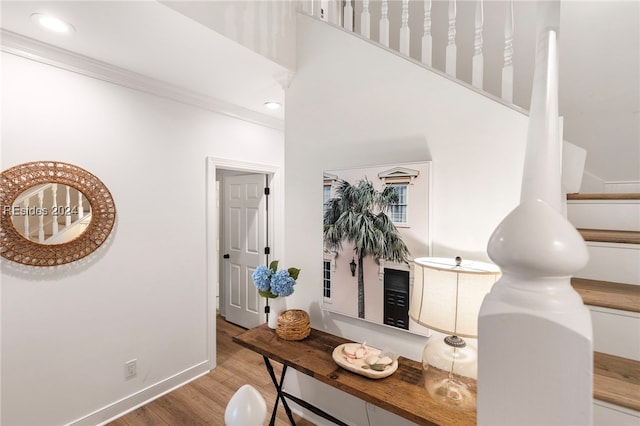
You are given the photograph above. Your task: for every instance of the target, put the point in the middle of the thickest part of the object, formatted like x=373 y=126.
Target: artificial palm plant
x=358 y=215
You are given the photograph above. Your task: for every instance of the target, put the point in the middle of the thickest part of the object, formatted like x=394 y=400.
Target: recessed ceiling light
x=52 y=23
x=272 y=105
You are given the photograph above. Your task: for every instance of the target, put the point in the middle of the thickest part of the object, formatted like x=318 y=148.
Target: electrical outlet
x=130 y=368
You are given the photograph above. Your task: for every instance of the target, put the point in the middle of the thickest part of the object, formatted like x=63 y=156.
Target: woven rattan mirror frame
x=17 y=248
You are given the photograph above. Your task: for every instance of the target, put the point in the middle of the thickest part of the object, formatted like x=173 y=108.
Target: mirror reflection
x=51 y=213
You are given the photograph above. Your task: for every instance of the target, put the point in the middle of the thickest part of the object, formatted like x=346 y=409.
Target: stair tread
x=608 y=294
x=612 y=196
x=616 y=380
x=610 y=236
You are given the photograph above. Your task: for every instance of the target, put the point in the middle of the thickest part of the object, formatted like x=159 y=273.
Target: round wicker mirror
x=52 y=213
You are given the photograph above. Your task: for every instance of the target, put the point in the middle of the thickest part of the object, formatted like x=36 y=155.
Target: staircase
x=610 y=287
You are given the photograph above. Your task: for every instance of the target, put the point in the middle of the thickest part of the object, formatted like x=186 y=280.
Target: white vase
x=276 y=307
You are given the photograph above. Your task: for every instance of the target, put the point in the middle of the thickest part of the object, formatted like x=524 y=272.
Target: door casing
x=213 y=254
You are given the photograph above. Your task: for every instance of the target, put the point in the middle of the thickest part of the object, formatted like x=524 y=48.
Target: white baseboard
x=112 y=411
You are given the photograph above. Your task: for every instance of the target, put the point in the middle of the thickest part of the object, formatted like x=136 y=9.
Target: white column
x=427 y=40
x=535 y=358
x=451 y=51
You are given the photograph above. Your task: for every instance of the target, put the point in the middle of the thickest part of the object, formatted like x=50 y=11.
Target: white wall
x=352 y=104
x=66 y=333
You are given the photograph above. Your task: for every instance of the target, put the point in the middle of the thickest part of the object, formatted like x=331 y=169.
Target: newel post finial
x=535 y=350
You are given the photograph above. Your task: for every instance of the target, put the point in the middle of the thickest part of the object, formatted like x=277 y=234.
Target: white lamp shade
x=245 y=408
x=447 y=297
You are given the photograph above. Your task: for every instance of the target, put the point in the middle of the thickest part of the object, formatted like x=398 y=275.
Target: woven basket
x=293 y=325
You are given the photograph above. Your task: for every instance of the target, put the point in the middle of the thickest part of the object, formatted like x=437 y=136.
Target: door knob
x=226 y=256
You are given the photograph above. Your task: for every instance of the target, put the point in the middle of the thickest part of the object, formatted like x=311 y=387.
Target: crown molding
x=29 y=48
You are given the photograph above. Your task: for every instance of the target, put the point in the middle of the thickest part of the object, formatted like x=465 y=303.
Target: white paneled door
x=245 y=230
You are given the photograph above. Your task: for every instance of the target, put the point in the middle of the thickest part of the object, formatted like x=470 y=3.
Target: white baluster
x=477 y=73
x=348 y=15
x=384 y=24
x=404 y=29
x=27 y=231
x=507 y=68
x=452 y=51
x=54 y=208
x=427 y=40
x=67 y=218
x=365 y=20
x=332 y=13
x=40 y=217
x=80 y=206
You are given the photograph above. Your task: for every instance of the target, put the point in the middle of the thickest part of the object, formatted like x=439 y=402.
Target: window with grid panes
x=326 y=282
x=398 y=211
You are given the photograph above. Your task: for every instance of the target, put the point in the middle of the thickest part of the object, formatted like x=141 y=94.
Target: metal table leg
x=280 y=396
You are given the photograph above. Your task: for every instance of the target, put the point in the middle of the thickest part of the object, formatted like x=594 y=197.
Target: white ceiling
x=151 y=39
x=599 y=64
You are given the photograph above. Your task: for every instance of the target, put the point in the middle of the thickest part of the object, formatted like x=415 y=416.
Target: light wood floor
x=203 y=401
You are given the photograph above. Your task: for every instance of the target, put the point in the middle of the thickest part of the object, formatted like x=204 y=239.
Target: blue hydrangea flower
x=282 y=283
x=262 y=277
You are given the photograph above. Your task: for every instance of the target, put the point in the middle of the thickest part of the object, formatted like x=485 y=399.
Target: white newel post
x=535 y=350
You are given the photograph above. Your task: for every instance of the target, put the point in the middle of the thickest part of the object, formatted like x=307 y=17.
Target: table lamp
x=447 y=294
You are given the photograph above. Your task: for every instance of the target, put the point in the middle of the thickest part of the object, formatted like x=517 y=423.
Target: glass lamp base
x=450 y=370
x=451 y=392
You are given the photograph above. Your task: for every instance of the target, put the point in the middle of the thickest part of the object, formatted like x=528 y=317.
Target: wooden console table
x=402 y=393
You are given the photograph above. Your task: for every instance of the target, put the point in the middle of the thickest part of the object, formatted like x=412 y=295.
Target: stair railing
x=346 y=13
x=42 y=204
